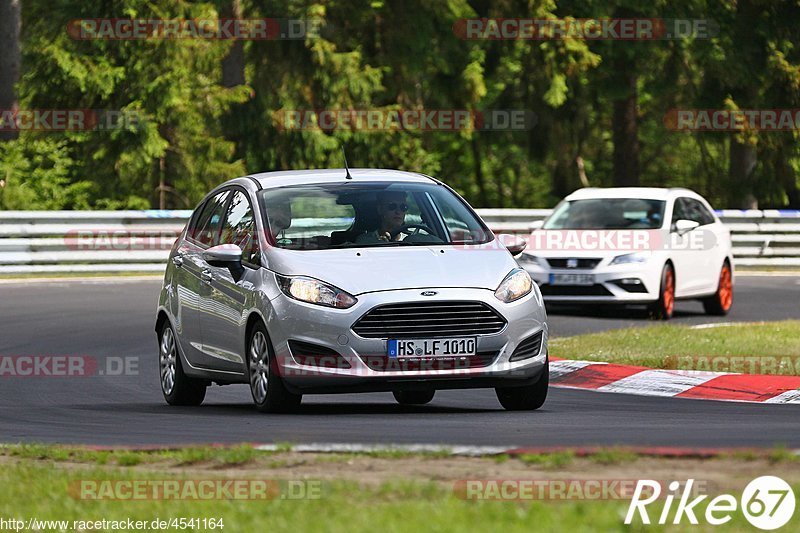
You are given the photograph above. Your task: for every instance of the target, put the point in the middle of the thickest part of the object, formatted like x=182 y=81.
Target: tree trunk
x=10 y=57
x=233 y=63
x=742 y=163
x=483 y=197
x=625 y=126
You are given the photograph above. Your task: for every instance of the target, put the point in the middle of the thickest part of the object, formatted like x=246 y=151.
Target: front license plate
x=454 y=347
x=571 y=279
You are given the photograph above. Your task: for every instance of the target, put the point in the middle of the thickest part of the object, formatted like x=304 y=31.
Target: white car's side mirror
x=684 y=226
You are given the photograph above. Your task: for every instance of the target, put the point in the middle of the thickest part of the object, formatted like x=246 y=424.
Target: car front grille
x=581 y=262
x=429 y=319
x=574 y=290
x=382 y=363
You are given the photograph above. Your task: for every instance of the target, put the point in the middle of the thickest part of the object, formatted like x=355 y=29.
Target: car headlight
x=636 y=257
x=315 y=291
x=517 y=284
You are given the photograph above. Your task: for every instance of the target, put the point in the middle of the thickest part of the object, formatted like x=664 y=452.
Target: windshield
x=607 y=213
x=355 y=215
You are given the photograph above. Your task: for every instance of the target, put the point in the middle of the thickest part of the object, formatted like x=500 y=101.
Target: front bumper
x=331 y=329
x=607 y=287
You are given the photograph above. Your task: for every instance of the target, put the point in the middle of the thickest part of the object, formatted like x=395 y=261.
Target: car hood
x=361 y=270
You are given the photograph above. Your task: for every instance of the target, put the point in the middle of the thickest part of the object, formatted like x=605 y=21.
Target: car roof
x=283 y=178
x=648 y=193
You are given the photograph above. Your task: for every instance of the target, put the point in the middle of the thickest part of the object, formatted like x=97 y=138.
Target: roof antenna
x=346 y=168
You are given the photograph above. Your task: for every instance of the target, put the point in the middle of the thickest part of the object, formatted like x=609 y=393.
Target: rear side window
x=239 y=228
x=208 y=223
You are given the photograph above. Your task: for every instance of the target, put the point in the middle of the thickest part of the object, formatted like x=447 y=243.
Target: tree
x=10 y=59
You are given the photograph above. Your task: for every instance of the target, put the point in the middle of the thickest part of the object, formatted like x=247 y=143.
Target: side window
x=239 y=228
x=700 y=213
x=206 y=229
x=679 y=211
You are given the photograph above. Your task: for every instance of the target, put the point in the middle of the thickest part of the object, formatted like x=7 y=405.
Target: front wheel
x=526 y=398
x=413 y=397
x=177 y=387
x=663 y=308
x=266 y=386
x=721 y=302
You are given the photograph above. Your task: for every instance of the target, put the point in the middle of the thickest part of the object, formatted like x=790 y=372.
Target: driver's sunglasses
x=393 y=206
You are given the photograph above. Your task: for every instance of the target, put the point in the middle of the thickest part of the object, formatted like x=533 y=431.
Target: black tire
x=664 y=307
x=720 y=303
x=527 y=398
x=176 y=386
x=413 y=397
x=269 y=393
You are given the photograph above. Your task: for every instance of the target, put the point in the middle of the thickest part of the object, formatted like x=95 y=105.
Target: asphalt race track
x=115 y=319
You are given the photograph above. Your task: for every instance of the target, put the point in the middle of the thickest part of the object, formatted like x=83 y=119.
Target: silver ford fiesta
x=325 y=281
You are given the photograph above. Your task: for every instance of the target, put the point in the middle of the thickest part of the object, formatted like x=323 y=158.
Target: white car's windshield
x=353 y=215
x=607 y=213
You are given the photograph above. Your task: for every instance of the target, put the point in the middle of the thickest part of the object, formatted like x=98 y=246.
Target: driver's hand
x=385 y=236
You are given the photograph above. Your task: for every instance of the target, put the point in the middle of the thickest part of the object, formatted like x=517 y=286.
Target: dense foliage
x=206 y=109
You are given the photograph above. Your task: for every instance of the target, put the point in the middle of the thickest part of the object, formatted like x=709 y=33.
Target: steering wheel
x=405 y=227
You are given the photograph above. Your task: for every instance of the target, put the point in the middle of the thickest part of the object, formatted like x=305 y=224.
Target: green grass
x=553 y=460
x=761 y=348
x=31 y=490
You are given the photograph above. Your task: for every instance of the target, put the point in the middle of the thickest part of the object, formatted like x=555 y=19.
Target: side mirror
x=684 y=226
x=224 y=255
x=513 y=244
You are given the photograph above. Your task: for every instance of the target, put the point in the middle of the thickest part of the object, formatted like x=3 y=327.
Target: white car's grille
x=434 y=319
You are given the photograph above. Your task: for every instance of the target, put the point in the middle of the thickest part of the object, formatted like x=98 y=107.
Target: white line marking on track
x=657 y=383
x=560 y=368
x=790 y=396
x=471 y=451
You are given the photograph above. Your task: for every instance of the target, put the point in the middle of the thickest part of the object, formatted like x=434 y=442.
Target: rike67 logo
x=767 y=502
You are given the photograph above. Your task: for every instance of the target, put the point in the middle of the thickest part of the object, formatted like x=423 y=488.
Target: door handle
x=177 y=261
x=206 y=276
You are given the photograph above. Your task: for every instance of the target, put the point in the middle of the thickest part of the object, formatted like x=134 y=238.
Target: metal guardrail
x=139 y=241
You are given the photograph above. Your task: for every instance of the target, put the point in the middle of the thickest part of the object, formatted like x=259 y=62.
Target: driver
x=392 y=208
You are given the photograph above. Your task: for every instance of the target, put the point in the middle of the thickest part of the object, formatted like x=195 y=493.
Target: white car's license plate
x=571 y=279
x=454 y=347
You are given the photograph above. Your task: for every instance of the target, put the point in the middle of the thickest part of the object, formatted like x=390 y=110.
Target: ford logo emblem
x=429 y=293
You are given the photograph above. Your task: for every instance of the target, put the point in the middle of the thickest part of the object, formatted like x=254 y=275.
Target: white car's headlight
x=517 y=284
x=315 y=291
x=636 y=257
